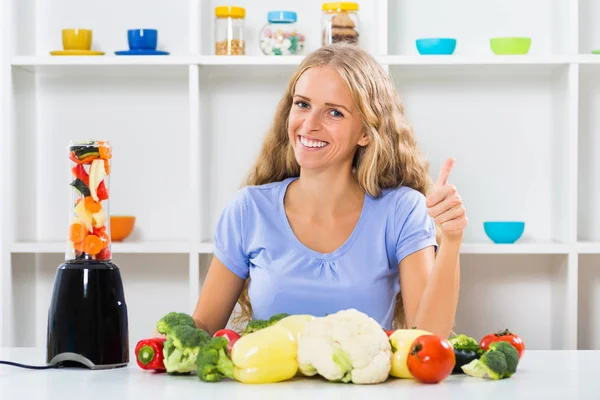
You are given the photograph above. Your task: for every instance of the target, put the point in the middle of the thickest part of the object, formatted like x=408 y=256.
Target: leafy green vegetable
x=213 y=363
x=258 y=324
x=182 y=347
x=510 y=353
x=492 y=364
x=173 y=319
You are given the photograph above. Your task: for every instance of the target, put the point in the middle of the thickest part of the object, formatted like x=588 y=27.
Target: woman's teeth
x=311 y=143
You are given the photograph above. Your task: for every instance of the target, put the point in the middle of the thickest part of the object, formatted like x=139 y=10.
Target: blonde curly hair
x=390 y=160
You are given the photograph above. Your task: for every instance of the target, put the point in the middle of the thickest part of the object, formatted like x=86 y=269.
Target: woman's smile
x=311 y=144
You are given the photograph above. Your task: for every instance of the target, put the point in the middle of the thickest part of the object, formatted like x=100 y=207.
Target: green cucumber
x=81 y=187
x=83 y=151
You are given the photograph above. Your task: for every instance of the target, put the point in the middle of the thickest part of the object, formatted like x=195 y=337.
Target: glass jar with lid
x=280 y=35
x=229 y=31
x=340 y=23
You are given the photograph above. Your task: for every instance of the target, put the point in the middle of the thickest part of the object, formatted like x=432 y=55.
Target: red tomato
x=431 y=359
x=231 y=336
x=389 y=332
x=504 y=336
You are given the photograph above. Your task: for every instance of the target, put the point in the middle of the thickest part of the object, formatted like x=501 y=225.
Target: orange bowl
x=121 y=226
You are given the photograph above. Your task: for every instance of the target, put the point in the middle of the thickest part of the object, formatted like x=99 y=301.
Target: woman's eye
x=301 y=104
x=336 y=113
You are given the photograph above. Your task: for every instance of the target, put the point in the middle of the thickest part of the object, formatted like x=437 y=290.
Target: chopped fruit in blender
x=97 y=174
x=84 y=215
x=86 y=160
x=81 y=187
x=106 y=167
x=98 y=219
x=104 y=150
x=92 y=245
x=92 y=205
x=77 y=232
x=84 y=151
x=102 y=192
x=79 y=172
x=104 y=254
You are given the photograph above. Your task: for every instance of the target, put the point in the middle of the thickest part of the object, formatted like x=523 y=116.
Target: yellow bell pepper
x=295 y=323
x=401 y=341
x=265 y=356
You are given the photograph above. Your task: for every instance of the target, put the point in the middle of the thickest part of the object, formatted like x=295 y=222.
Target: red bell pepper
x=102 y=192
x=80 y=172
x=231 y=336
x=149 y=353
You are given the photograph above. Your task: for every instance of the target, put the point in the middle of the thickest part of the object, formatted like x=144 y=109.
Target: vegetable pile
x=347 y=346
x=89 y=238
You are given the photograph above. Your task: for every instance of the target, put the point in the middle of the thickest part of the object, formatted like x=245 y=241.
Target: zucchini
x=81 y=187
x=83 y=151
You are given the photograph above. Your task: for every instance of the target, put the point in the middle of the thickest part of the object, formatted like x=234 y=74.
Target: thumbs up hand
x=445 y=205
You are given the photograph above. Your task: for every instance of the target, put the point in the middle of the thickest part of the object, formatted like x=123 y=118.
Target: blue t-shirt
x=254 y=239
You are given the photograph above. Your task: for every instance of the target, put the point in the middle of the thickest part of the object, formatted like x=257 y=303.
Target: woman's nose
x=312 y=122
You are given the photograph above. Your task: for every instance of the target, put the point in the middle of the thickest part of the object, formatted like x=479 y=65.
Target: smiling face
x=324 y=126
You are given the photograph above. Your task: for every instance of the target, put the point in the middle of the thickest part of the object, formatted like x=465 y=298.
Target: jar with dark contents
x=340 y=23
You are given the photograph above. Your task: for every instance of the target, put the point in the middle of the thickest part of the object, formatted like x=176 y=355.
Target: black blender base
x=87 y=318
x=73 y=360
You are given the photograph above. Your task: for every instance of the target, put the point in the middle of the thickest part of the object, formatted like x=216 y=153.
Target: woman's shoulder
x=264 y=195
x=401 y=196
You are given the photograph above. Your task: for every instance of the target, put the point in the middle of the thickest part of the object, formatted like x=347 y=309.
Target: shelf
x=117 y=247
x=515 y=248
x=588 y=247
x=477 y=60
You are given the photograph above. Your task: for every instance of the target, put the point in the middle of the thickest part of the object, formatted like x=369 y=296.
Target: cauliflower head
x=348 y=346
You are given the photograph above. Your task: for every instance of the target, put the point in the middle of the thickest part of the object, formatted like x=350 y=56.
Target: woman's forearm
x=437 y=308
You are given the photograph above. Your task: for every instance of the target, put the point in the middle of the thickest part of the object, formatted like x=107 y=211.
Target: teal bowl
x=431 y=46
x=503 y=232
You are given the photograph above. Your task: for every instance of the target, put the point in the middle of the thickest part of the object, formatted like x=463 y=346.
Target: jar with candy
x=340 y=23
x=280 y=35
x=229 y=31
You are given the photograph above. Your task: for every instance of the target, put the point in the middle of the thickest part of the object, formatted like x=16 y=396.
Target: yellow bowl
x=121 y=227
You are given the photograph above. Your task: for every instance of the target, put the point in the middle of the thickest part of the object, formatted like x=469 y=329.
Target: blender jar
x=89 y=216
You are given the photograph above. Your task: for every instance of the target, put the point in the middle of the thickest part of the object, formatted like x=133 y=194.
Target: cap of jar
x=282 y=16
x=230 y=11
x=340 y=6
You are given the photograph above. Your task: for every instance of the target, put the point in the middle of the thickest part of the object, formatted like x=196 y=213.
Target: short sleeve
x=229 y=236
x=415 y=229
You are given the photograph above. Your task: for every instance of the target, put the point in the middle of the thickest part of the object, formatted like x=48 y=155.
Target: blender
x=87 y=317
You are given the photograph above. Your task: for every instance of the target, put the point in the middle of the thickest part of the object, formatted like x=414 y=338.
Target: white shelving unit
x=186 y=127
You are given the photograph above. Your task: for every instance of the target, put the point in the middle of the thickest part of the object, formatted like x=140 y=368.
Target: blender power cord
x=14 y=364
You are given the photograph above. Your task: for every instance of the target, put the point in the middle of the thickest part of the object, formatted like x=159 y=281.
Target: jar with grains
x=229 y=31
x=280 y=35
x=340 y=23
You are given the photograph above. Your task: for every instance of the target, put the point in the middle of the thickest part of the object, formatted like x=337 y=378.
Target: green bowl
x=510 y=45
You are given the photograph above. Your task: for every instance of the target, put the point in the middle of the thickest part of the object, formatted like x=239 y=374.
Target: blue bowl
x=503 y=232
x=142 y=39
x=436 y=45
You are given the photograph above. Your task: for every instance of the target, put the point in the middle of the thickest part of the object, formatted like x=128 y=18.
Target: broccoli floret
x=182 y=347
x=173 y=319
x=213 y=362
x=492 y=364
x=464 y=342
x=510 y=353
x=277 y=317
x=258 y=324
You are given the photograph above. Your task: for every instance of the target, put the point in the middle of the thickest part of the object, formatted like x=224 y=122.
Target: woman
x=337 y=212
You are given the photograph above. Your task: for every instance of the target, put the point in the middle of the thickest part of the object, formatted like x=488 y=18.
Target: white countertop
x=541 y=375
